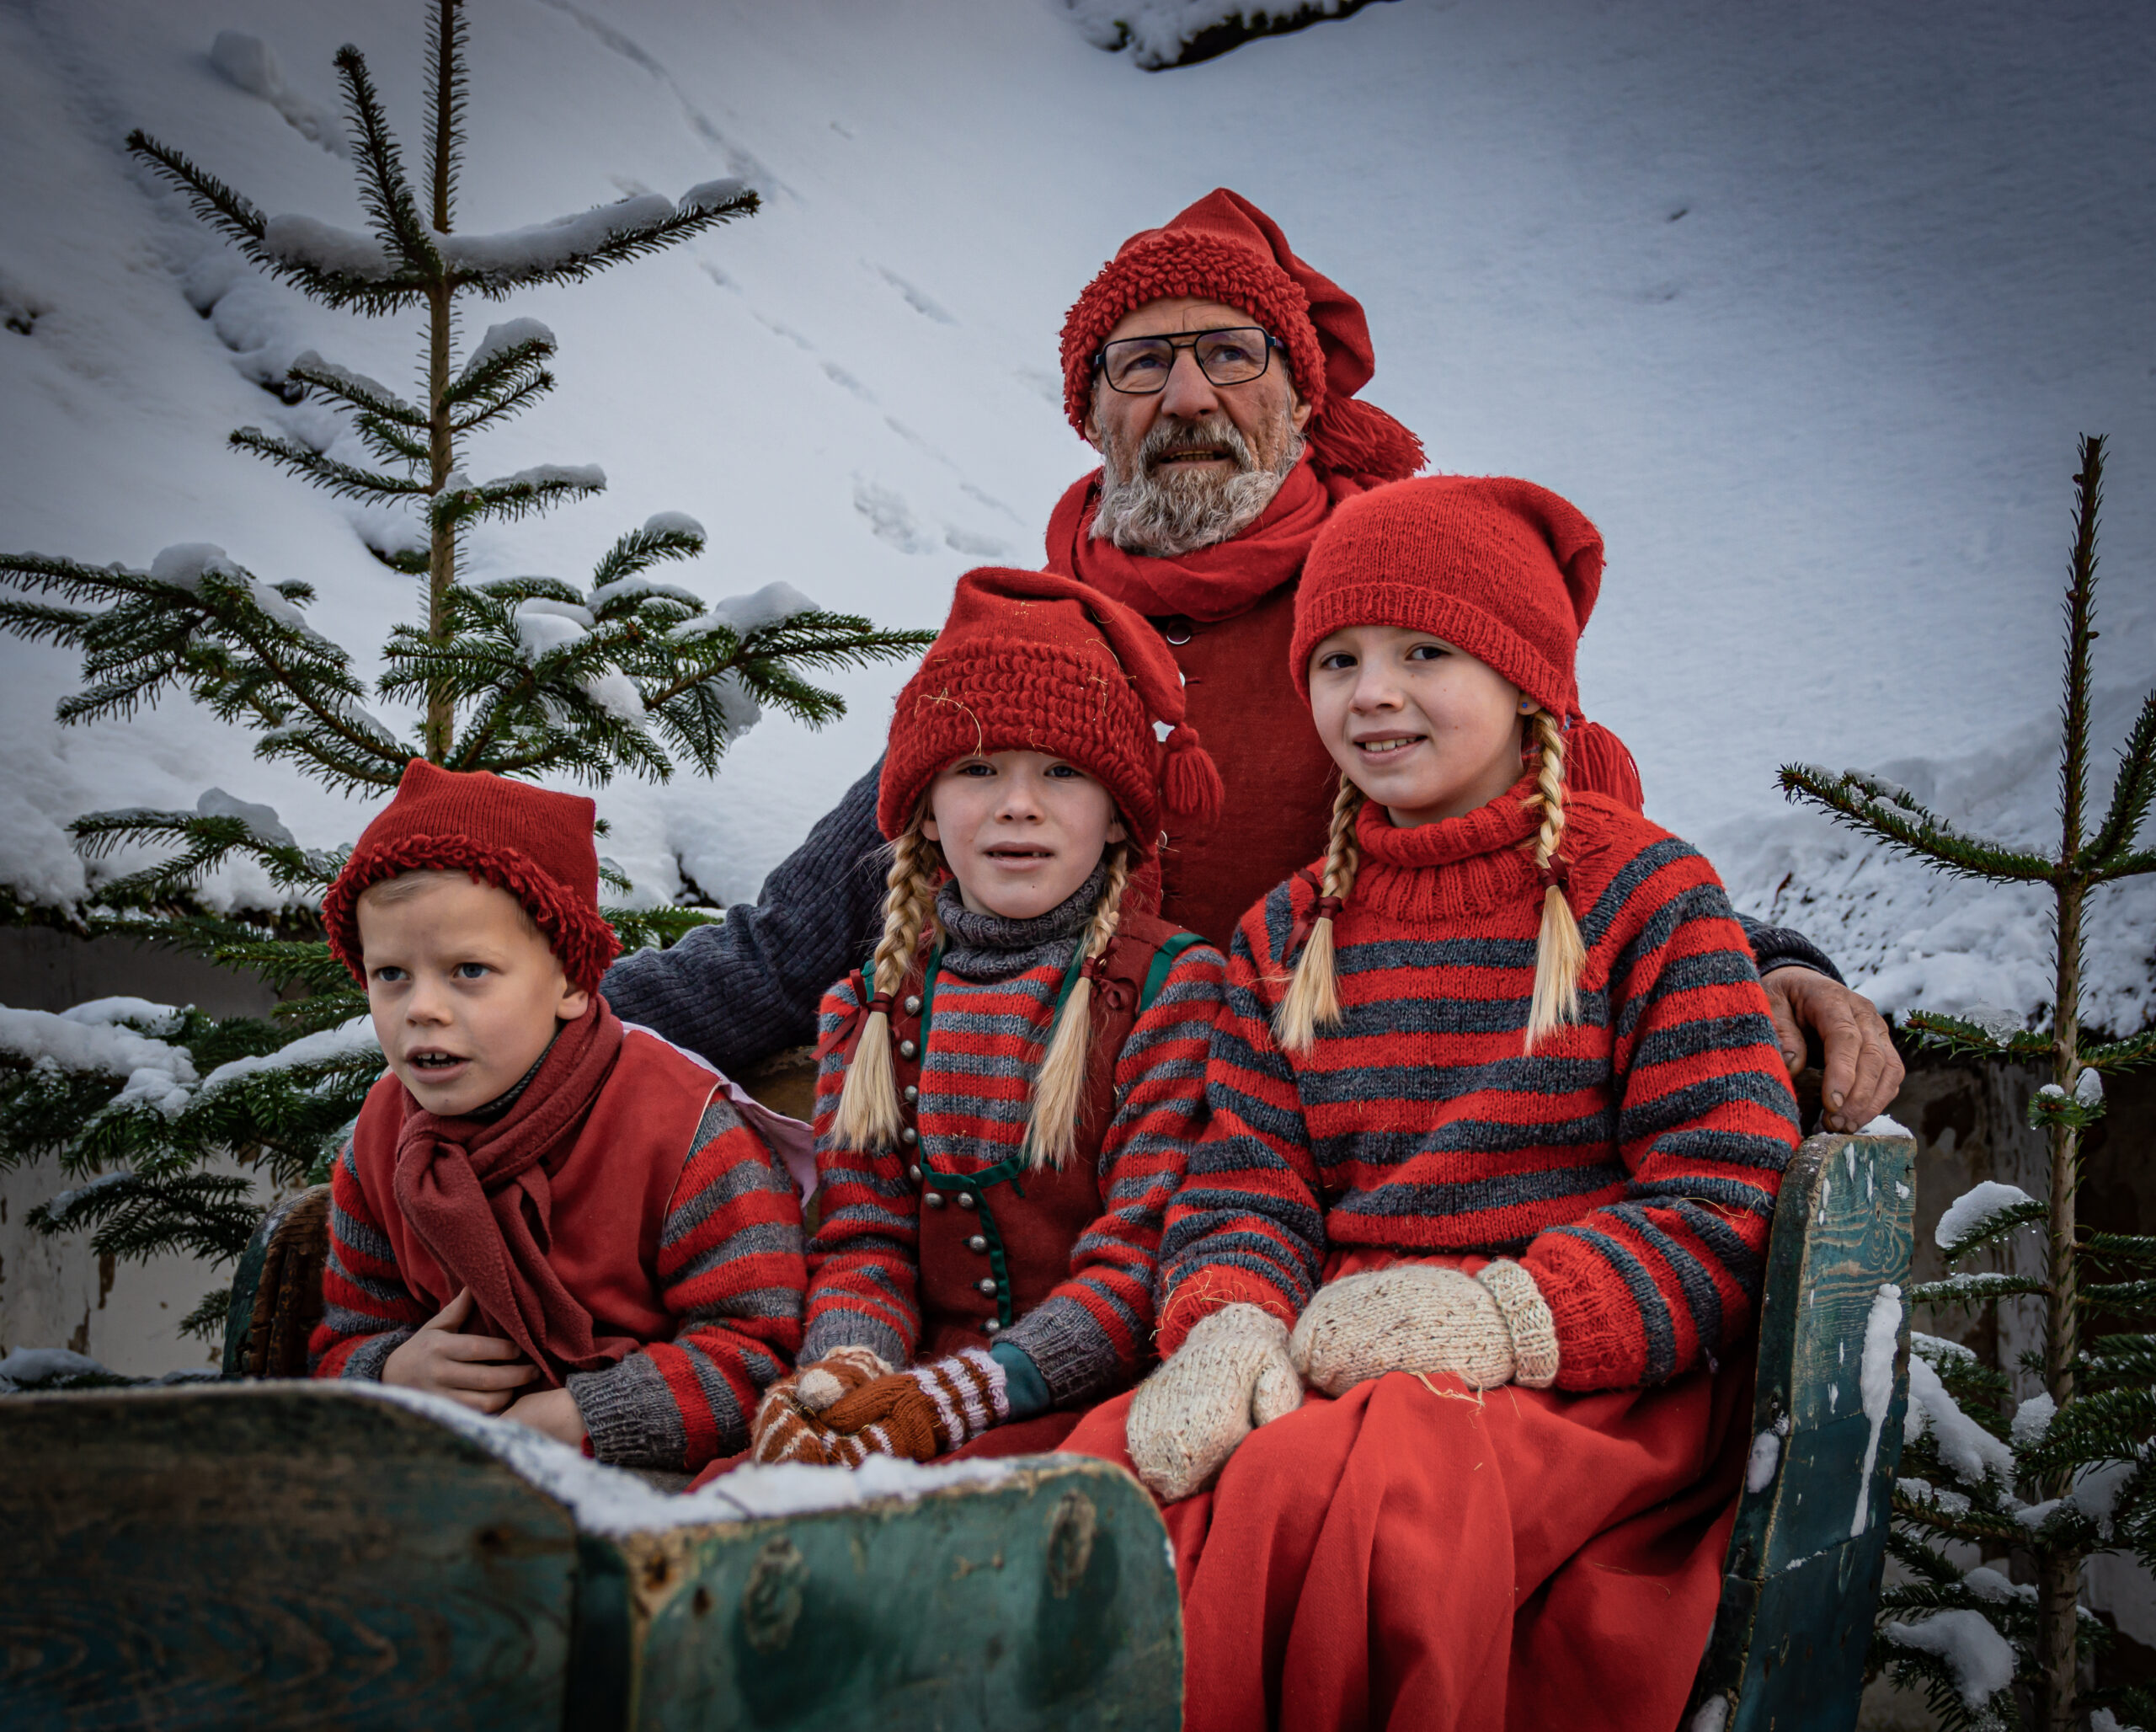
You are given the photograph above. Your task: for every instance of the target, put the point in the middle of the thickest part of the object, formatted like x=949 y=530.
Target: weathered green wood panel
x=1045 y=1599
x=271 y=1555
x=1799 y=1587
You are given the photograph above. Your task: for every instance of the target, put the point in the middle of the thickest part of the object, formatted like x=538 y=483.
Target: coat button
x=990 y=1327
x=907 y=1048
x=913 y=1091
x=987 y=1285
x=1177 y=629
x=913 y=1004
x=977 y=1243
x=967 y=1199
x=914 y=1173
x=909 y=1137
x=933 y=1198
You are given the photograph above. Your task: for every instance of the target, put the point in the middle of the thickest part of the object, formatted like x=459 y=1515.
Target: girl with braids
x=1004 y=1097
x=1496 y=1125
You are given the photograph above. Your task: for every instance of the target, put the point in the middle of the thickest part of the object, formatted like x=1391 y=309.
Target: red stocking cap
x=1225 y=248
x=1032 y=661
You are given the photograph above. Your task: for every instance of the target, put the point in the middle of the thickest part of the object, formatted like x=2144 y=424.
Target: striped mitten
x=785 y=1428
x=926 y=1410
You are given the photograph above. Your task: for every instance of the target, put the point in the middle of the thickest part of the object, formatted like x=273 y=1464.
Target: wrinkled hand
x=482 y=1371
x=1232 y=1373
x=1863 y=1072
x=786 y=1428
x=552 y=1413
x=1421 y=1316
x=926 y=1410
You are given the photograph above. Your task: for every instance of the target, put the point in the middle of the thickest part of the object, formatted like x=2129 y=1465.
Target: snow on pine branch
x=347 y=1043
x=1980 y=1660
x=1965 y=1446
x=156 y=1074
x=772 y=605
x=510 y=335
x=1968 y=1214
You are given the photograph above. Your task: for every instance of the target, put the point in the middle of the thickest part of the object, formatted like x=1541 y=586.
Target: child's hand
x=1232 y=1372
x=552 y=1412
x=482 y=1372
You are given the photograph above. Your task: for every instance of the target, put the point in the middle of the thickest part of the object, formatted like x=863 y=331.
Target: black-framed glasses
x=1140 y=365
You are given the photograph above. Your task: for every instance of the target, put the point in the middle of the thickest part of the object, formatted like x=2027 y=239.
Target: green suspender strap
x=1007 y=1170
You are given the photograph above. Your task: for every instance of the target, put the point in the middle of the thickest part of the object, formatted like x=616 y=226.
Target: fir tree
x=2060 y=1478
x=523 y=677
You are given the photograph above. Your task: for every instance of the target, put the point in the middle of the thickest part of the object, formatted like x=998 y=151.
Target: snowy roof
x=1807 y=329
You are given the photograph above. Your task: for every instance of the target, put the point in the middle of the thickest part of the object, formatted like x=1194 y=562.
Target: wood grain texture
x=271 y=1555
x=1804 y=1566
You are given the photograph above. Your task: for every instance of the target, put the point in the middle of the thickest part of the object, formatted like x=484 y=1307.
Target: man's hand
x=552 y=1412
x=1863 y=1072
x=482 y=1371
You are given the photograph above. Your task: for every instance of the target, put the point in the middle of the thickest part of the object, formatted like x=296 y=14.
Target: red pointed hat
x=530 y=841
x=1503 y=569
x=1225 y=248
x=1032 y=661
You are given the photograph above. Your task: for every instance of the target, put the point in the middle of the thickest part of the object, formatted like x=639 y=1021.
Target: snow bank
x=250 y=64
x=1966 y=1214
x=1980 y=1658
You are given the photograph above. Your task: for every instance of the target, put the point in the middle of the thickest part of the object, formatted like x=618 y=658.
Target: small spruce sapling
x=523 y=676
x=2062 y=1478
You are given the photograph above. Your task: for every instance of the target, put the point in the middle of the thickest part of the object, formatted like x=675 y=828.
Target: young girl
x=1496 y=1105
x=1003 y=1102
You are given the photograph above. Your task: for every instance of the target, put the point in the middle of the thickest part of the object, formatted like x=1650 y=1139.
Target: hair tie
x=1328 y=908
x=880 y=1005
x=1093 y=968
x=1556 y=875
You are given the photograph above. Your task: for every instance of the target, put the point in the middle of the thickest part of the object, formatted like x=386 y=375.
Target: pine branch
x=1996 y=1227
x=2120 y=1298
x=360 y=392
x=494 y=265
x=344 y=480
x=445 y=78
x=667 y=537
x=508 y=358
x=2131 y=794
x=511 y=497
x=384 y=192
x=221 y=208
x=1974 y=1289
x=1864 y=803
x=656 y=928
x=508 y=404
x=2112 y=1056
x=1962 y=1037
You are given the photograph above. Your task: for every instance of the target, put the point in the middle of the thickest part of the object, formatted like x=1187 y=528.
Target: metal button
x=1177 y=629
x=913 y=1091
x=967 y=1199
x=907 y=1048
x=914 y=1173
x=976 y=1244
x=990 y=1327
x=933 y=1198
x=909 y=1137
x=913 y=1004
x=986 y=1284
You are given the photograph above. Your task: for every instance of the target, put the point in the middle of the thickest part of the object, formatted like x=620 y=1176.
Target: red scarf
x=1214 y=583
x=477 y=1197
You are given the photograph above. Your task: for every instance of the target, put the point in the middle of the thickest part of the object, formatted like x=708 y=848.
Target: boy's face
x=464 y=991
x=1421 y=728
x=1021 y=830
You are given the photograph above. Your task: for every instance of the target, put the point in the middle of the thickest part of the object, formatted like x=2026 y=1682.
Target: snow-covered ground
x=1805 y=306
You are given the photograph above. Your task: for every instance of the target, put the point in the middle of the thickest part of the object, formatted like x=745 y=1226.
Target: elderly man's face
x=1193 y=462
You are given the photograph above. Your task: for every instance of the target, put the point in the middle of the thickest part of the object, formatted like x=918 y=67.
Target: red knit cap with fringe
x=1504 y=569
x=1031 y=661
x=1225 y=248
x=530 y=842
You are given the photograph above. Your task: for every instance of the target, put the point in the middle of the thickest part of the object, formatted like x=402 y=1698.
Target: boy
x=543 y=1212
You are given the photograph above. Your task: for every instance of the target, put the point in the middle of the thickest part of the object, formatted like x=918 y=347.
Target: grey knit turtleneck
x=986 y=947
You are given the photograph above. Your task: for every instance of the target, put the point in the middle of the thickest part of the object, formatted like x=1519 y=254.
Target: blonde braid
x=1559 y=954
x=1059 y=1091
x=1313 y=997
x=868 y=1115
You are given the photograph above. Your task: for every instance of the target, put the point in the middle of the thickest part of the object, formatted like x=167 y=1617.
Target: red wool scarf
x=478 y=1198
x=1214 y=583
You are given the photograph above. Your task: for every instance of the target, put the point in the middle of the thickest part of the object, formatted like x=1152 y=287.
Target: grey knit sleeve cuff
x=1065 y=1342
x=1778 y=947
x=366 y=1360
x=631 y=1419
x=839 y=1327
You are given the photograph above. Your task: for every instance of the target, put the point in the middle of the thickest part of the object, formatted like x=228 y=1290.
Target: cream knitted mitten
x=1486 y=1329
x=1231 y=1373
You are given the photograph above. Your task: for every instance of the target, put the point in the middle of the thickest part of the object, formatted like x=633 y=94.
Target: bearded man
x=1216 y=373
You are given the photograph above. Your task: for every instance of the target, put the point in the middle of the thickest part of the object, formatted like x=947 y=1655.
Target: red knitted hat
x=535 y=844
x=1030 y=661
x=1225 y=248
x=1502 y=569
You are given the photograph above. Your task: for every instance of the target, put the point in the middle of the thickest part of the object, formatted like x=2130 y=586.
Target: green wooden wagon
x=285 y=1553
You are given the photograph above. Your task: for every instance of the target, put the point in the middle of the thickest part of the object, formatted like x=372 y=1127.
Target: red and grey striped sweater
x=1631 y=1162
x=702 y=1258
x=987 y=1035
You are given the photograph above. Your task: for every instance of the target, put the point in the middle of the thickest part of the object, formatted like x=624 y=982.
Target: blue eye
x=389 y=976
x=1065 y=772
x=1336 y=662
x=1429 y=652
x=977 y=767
x=471 y=971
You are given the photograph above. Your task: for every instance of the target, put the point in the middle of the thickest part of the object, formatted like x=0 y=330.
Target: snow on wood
x=1882 y=1329
x=1980 y=1658
x=1966 y=1214
x=1759 y=1467
x=31 y=1367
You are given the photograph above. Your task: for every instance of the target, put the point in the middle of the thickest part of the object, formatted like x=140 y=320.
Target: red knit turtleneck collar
x=1482 y=856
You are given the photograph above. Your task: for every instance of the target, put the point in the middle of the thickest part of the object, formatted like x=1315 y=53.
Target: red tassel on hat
x=1191 y=780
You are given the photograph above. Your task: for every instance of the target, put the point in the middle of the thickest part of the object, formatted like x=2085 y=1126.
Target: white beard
x=1161 y=513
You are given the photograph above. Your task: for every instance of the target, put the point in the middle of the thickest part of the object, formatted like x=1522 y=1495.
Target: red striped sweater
x=728 y=1270
x=1095 y=1329
x=1631 y=1162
